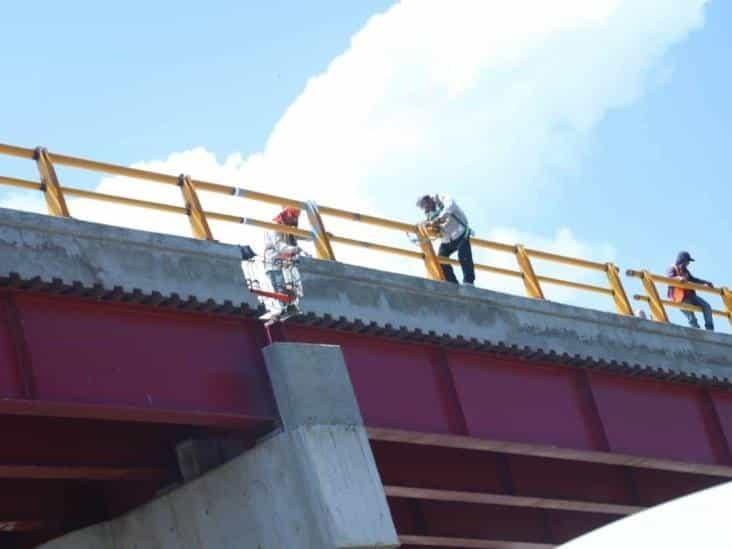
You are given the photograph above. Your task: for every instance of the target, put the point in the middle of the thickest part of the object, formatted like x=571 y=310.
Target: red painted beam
x=465 y=543
x=538 y=450
x=24 y=525
x=148 y=364
x=510 y=501
x=80 y=472
x=555 y=409
x=138 y=414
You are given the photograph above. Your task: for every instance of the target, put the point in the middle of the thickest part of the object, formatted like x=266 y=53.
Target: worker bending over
x=680 y=271
x=446 y=217
x=280 y=246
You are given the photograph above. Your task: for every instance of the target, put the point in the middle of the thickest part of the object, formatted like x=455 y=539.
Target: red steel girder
x=62 y=351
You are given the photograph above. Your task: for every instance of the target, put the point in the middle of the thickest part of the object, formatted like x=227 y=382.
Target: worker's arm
x=282 y=247
x=696 y=280
x=448 y=209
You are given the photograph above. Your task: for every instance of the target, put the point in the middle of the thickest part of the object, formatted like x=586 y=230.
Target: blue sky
x=635 y=176
x=138 y=80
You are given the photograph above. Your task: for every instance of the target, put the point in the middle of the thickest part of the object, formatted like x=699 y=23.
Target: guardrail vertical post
x=533 y=288
x=55 y=201
x=320 y=235
x=622 y=303
x=196 y=215
x=658 y=312
x=727 y=298
x=431 y=261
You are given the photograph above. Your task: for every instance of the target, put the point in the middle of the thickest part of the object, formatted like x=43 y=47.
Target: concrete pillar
x=312 y=485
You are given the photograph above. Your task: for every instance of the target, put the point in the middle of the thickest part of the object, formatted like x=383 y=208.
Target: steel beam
x=545 y=451
x=510 y=501
x=468 y=543
x=74 y=472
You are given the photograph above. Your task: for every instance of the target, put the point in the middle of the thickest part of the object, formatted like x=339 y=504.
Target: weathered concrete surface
x=311 y=385
x=368 y=295
x=312 y=486
x=33 y=245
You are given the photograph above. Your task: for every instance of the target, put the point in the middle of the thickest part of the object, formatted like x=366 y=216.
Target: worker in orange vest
x=680 y=271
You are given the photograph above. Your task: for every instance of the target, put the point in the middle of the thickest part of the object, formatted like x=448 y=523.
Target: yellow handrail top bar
x=676 y=283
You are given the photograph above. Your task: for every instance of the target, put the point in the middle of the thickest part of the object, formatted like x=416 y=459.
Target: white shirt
x=451 y=218
x=277 y=244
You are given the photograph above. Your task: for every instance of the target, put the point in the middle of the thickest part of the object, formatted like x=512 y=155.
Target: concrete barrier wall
x=34 y=245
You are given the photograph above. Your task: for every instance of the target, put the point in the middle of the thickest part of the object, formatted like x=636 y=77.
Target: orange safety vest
x=676 y=294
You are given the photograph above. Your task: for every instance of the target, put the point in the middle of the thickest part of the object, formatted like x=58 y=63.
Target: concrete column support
x=312 y=485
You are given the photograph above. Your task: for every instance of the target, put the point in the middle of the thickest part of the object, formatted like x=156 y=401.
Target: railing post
x=196 y=215
x=727 y=298
x=320 y=236
x=657 y=309
x=622 y=303
x=55 y=201
x=431 y=261
x=533 y=288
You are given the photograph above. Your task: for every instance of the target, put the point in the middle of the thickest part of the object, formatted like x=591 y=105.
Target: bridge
x=145 y=403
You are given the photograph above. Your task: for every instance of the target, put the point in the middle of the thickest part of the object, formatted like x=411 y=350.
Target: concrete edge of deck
x=366 y=295
x=40 y=246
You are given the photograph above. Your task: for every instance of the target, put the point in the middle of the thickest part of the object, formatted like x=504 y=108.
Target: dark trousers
x=693 y=299
x=465 y=256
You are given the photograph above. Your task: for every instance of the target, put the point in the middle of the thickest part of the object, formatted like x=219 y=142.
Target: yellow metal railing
x=55 y=195
x=657 y=305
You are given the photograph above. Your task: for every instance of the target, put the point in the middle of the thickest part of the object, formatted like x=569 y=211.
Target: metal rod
x=556 y=258
x=674 y=282
x=196 y=215
x=52 y=192
x=531 y=283
x=320 y=235
x=135 y=202
x=575 y=285
x=21 y=183
x=656 y=303
x=490 y=245
x=431 y=260
x=376 y=247
x=20 y=152
x=227 y=218
x=622 y=304
x=368 y=219
x=112 y=169
x=682 y=305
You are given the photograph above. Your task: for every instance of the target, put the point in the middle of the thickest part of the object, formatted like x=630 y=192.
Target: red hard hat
x=287 y=214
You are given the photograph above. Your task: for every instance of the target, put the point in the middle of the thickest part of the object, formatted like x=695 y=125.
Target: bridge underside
x=475 y=446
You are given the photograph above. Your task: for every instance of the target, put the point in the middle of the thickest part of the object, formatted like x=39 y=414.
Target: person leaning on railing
x=680 y=271
x=446 y=217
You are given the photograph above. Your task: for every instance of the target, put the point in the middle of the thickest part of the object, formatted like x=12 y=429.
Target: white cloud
x=487 y=100
x=697 y=520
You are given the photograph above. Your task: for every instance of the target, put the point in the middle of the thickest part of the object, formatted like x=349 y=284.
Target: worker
x=680 y=271
x=445 y=216
x=279 y=246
